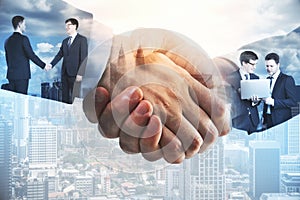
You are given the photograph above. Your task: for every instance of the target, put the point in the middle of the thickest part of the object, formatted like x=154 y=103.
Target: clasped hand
x=161 y=102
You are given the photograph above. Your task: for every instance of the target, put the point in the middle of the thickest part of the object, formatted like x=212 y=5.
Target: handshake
x=161 y=95
x=48 y=67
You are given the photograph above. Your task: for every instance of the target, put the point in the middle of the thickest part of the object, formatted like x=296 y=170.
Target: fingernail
x=135 y=94
x=142 y=109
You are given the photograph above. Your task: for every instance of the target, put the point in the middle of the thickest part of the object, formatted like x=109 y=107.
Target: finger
x=188 y=135
x=171 y=147
x=94 y=103
x=204 y=125
x=138 y=119
x=133 y=126
x=212 y=105
x=149 y=142
x=118 y=110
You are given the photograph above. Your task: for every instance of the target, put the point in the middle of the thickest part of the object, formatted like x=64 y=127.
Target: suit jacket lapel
x=277 y=84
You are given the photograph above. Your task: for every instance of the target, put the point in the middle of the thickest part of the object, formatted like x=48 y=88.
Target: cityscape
x=49 y=150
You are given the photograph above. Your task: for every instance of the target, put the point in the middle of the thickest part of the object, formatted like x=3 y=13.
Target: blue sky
x=45 y=28
x=220 y=27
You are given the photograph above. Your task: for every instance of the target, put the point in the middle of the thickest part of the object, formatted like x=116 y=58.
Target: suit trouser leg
x=20 y=86
x=67 y=88
x=268 y=120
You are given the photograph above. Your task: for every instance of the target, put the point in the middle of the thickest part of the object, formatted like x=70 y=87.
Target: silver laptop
x=255 y=87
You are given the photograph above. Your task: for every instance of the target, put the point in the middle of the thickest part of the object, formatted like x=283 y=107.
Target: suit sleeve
x=31 y=55
x=58 y=56
x=290 y=95
x=83 y=56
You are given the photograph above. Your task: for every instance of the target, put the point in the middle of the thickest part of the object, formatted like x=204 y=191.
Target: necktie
x=271 y=78
x=247 y=76
x=269 y=107
x=69 y=41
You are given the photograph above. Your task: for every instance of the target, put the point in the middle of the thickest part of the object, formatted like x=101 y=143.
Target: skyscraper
x=42 y=144
x=264 y=172
x=172 y=182
x=202 y=177
x=21 y=123
x=5 y=159
x=293 y=139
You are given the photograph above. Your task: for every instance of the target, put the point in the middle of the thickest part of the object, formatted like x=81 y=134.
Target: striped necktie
x=69 y=41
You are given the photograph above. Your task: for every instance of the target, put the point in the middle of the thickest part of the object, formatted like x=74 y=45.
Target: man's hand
x=78 y=78
x=269 y=101
x=178 y=80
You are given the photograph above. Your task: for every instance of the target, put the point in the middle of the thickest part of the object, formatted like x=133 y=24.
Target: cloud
x=2 y=53
x=44 y=47
x=40 y=5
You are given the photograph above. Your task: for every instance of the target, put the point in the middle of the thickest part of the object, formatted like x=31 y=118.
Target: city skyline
x=56 y=153
x=196 y=178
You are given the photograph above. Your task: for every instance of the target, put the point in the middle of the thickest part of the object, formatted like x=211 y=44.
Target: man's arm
x=58 y=56
x=290 y=99
x=31 y=55
x=83 y=55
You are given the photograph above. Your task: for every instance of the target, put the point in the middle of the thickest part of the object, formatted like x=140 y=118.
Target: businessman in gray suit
x=74 y=50
x=18 y=53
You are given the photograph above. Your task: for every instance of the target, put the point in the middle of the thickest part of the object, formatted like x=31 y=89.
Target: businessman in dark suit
x=74 y=50
x=278 y=107
x=18 y=53
x=244 y=113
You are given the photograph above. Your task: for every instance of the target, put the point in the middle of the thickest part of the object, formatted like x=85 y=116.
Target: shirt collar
x=243 y=72
x=275 y=76
x=73 y=35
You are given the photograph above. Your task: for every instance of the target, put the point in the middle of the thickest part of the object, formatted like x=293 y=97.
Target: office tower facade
x=264 y=164
x=37 y=188
x=21 y=125
x=293 y=138
x=42 y=144
x=85 y=184
x=172 y=182
x=5 y=159
x=202 y=177
x=290 y=164
x=290 y=183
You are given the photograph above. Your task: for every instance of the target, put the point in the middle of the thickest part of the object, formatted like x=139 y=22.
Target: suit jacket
x=244 y=115
x=18 y=53
x=285 y=97
x=74 y=58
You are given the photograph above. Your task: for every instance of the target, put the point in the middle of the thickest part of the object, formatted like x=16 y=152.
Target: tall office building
x=278 y=133
x=172 y=182
x=290 y=183
x=42 y=144
x=5 y=159
x=264 y=172
x=202 y=177
x=21 y=125
x=290 y=164
x=293 y=138
x=37 y=188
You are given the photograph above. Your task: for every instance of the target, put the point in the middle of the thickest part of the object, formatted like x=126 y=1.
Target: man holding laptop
x=244 y=112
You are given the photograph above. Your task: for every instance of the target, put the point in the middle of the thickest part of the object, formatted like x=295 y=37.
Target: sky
x=219 y=26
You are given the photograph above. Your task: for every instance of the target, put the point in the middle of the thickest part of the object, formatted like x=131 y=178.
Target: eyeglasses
x=69 y=24
x=252 y=63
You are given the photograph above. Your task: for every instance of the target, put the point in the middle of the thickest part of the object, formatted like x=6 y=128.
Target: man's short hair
x=246 y=56
x=73 y=21
x=16 y=21
x=272 y=56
